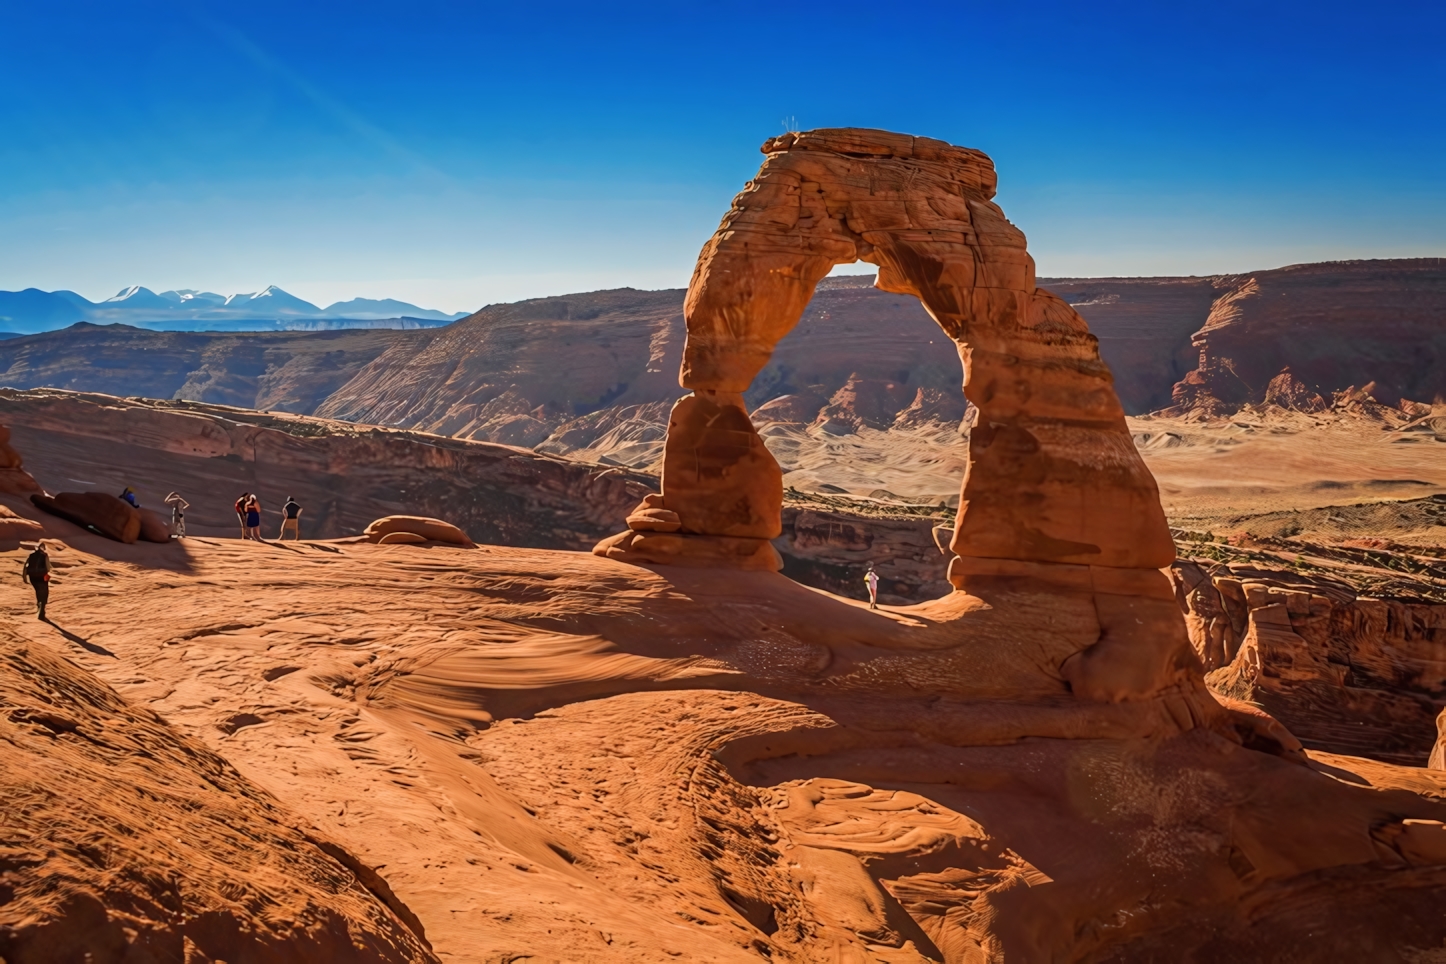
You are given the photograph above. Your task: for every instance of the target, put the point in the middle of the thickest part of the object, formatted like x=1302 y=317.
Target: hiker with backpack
x=36 y=571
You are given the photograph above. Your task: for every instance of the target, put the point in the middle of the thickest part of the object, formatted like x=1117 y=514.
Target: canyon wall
x=285 y=371
x=1345 y=672
x=1331 y=327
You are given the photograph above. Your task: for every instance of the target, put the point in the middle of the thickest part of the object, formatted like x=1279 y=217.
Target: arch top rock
x=1053 y=476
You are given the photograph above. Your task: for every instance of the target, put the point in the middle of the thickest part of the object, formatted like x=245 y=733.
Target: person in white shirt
x=871 y=579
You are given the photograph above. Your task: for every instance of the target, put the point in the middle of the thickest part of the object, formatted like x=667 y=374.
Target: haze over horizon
x=454 y=158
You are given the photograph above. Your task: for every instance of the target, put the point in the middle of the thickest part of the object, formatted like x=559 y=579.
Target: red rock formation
x=125 y=840
x=872 y=402
x=933 y=406
x=13 y=477
x=100 y=511
x=1310 y=318
x=425 y=530
x=16 y=528
x=1346 y=673
x=925 y=216
x=1287 y=391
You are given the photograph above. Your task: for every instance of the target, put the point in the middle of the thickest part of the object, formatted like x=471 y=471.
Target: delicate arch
x=1053 y=475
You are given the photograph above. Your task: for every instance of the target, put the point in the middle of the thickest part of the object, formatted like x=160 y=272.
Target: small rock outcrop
x=398 y=529
x=100 y=511
x=13 y=477
x=1287 y=391
x=16 y=528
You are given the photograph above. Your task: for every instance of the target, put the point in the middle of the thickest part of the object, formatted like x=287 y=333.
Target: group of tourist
x=37 y=567
x=248 y=513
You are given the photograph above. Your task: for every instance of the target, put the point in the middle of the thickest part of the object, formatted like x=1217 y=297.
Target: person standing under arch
x=871 y=579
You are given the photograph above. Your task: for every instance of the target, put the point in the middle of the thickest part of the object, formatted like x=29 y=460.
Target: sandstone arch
x=1053 y=475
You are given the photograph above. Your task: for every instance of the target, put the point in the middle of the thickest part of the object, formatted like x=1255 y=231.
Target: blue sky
x=458 y=154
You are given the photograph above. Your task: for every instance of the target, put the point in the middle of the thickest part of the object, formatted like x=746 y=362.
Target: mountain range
x=33 y=311
x=597 y=372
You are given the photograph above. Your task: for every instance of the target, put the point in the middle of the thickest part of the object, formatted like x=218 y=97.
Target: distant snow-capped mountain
x=271 y=300
x=192 y=298
x=180 y=309
x=136 y=297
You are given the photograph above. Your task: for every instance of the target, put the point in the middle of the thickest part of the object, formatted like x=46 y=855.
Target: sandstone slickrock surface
x=126 y=841
x=15 y=527
x=551 y=754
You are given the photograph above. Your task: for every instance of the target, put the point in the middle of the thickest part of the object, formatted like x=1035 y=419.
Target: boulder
x=100 y=511
x=429 y=530
x=154 y=528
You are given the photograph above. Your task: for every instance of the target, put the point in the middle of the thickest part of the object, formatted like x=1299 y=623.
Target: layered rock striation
x=1345 y=671
x=1331 y=327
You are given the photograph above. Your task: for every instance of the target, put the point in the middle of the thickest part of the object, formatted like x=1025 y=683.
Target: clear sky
x=456 y=154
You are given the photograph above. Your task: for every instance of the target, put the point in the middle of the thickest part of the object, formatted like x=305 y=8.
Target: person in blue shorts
x=253 y=519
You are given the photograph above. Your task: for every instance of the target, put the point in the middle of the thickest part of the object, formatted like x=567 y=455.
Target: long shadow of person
x=80 y=641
